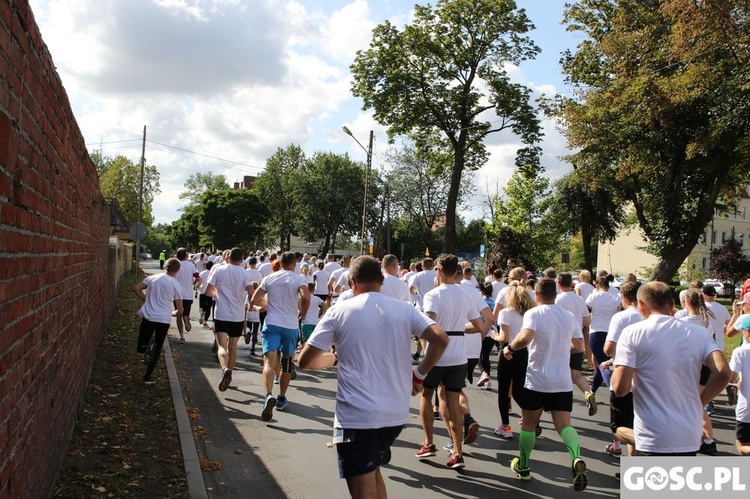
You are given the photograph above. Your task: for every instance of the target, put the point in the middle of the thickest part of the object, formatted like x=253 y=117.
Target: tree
x=199 y=183
x=729 y=262
x=329 y=189
x=432 y=75
x=275 y=187
x=590 y=211
x=157 y=239
x=232 y=217
x=661 y=107
x=185 y=231
x=120 y=178
x=525 y=209
x=472 y=236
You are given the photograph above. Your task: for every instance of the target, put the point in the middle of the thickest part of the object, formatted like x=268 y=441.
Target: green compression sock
x=526 y=442
x=570 y=437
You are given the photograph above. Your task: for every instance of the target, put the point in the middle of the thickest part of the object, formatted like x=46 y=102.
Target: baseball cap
x=709 y=290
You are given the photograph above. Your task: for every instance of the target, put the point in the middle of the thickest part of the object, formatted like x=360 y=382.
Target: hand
x=507 y=353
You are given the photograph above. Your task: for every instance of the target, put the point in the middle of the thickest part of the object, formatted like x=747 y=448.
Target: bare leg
x=428 y=416
x=222 y=339
x=270 y=365
x=232 y=352
x=368 y=486
x=455 y=421
x=284 y=381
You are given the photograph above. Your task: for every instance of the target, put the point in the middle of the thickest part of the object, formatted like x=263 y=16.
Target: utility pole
x=140 y=207
x=367 y=184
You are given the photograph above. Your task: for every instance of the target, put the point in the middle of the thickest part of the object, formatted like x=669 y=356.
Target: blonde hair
x=518 y=299
x=304 y=267
x=695 y=303
x=584 y=276
x=517 y=274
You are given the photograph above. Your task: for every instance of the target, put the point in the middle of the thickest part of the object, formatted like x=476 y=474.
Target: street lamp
x=368 y=150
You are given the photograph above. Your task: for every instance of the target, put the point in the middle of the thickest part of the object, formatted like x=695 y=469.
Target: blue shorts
x=275 y=338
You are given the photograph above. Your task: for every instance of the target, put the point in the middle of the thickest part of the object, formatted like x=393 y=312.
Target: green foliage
x=157 y=239
x=661 y=107
x=471 y=236
x=444 y=73
x=232 y=217
x=120 y=178
x=729 y=262
x=199 y=183
x=185 y=231
x=505 y=243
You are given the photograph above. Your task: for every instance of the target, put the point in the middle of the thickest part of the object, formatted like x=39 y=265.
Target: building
x=627 y=253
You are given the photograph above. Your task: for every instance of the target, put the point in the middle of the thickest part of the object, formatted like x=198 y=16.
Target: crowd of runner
x=662 y=365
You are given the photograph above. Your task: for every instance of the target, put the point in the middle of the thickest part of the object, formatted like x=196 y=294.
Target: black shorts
x=576 y=361
x=665 y=454
x=532 y=400
x=231 y=328
x=743 y=432
x=322 y=297
x=204 y=302
x=705 y=374
x=365 y=450
x=186 y=304
x=451 y=376
x=620 y=411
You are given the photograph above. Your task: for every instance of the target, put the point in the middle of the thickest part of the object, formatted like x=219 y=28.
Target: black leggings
x=484 y=358
x=470 y=365
x=206 y=303
x=148 y=330
x=510 y=373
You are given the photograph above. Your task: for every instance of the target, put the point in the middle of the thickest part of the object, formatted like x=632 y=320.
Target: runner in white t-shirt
x=159 y=293
x=312 y=317
x=287 y=301
x=740 y=366
x=187 y=277
x=369 y=416
x=603 y=306
x=320 y=278
x=661 y=358
x=392 y=285
x=422 y=282
x=206 y=303
x=584 y=287
x=740 y=313
x=718 y=323
x=229 y=284
x=548 y=332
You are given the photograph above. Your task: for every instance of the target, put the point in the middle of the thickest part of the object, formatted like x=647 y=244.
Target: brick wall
x=56 y=292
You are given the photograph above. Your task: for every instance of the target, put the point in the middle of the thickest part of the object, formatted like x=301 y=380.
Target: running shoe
x=149 y=358
x=538 y=430
x=731 y=394
x=590 y=399
x=182 y=340
x=281 y=403
x=483 y=380
x=268 y=406
x=504 y=431
x=206 y=326
x=612 y=451
x=247 y=338
x=709 y=449
x=188 y=326
x=226 y=378
x=710 y=409
x=470 y=432
x=580 y=480
x=456 y=462
x=523 y=474
x=147 y=381
x=448 y=447
x=426 y=451
x=275 y=379
x=252 y=352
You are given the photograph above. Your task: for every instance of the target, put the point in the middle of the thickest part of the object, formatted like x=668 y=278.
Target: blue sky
x=235 y=80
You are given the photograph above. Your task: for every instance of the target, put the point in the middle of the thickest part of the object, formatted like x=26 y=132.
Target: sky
x=222 y=84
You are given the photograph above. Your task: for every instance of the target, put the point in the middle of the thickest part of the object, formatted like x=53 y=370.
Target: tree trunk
x=327 y=244
x=450 y=210
x=288 y=242
x=588 y=263
x=669 y=264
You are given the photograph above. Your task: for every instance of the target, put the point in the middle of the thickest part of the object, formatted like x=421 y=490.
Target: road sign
x=482 y=250
x=137 y=232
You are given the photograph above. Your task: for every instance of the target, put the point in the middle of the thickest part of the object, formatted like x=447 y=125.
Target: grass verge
x=125 y=441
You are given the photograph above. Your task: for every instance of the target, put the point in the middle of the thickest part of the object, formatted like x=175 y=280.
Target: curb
x=196 y=485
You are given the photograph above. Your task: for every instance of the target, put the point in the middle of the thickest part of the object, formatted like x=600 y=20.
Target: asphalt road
x=290 y=456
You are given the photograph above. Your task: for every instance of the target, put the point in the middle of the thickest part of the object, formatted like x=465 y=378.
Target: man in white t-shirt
x=450 y=307
x=584 y=287
x=548 y=332
x=392 y=285
x=229 y=283
x=740 y=366
x=285 y=296
x=188 y=277
x=252 y=270
x=159 y=293
x=718 y=322
x=570 y=301
x=265 y=266
x=422 y=282
x=333 y=282
x=603 y=306
x=661 y=358
x=320 y=278
x=331 y=264
x=369 y=417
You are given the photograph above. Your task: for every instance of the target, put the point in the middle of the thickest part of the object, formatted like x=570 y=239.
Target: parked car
x=723 y=289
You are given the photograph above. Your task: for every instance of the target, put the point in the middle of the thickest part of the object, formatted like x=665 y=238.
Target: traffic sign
x=137 y=232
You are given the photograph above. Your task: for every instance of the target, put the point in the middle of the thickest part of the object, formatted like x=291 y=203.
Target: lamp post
x=368 y=150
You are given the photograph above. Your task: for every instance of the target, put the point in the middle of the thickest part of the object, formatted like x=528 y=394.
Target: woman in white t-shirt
x=304 y=270
x=511 y=373
x=603 y=306
x=740 y=366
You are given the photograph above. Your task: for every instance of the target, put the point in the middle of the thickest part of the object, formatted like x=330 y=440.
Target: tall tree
x=661 y=107
x=185 y=231
x=588 y=210
x=275 y=188
x=444 y=72
x=120 y=178
x=232 y=217
x=199 y=183
x=330 y=190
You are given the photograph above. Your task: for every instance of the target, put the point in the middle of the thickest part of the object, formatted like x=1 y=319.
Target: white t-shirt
x=681 y=313
x=372 y=334
x=667 y=355
x=255 y=275
x=613 y=290
x=497 y=287
x=585 y=289
x=331 y=267
x=231 y=282
x=200 y=265
x=283 y=291
x=718 y=323
x=603 y=306
x=453 y=307
x=343 y=280
x=548 y=370
x=204 y=281
x=335 y=275
x=395 y=288
x=161 y=292
x=345 y=295
x=251 y=315
x=620 y=321
x=511 y=318
x=185 y=277
x=320 y=278
x=473 y=341
x=576 y=306
x=265 y=269
x=407 y=276
x=424 y=281
x=740 y=364
x=314 y=311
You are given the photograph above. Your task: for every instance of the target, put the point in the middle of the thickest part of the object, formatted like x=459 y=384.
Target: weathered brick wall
x=56 y=293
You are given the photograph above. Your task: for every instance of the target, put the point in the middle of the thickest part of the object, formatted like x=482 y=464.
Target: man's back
x=283 y=289
x=185 y=277
x=394 y=287
x=231 y=282
x=548 y=369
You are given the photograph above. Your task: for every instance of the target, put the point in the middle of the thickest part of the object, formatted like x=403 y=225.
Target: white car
x=723 y=289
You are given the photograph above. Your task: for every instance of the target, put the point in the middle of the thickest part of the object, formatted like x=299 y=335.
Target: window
x=703 y=264
x=723 y=237
x=713 y=237
x=705 y=238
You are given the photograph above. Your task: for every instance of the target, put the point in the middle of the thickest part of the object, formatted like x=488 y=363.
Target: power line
x=205 y=155
x=113 y=142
